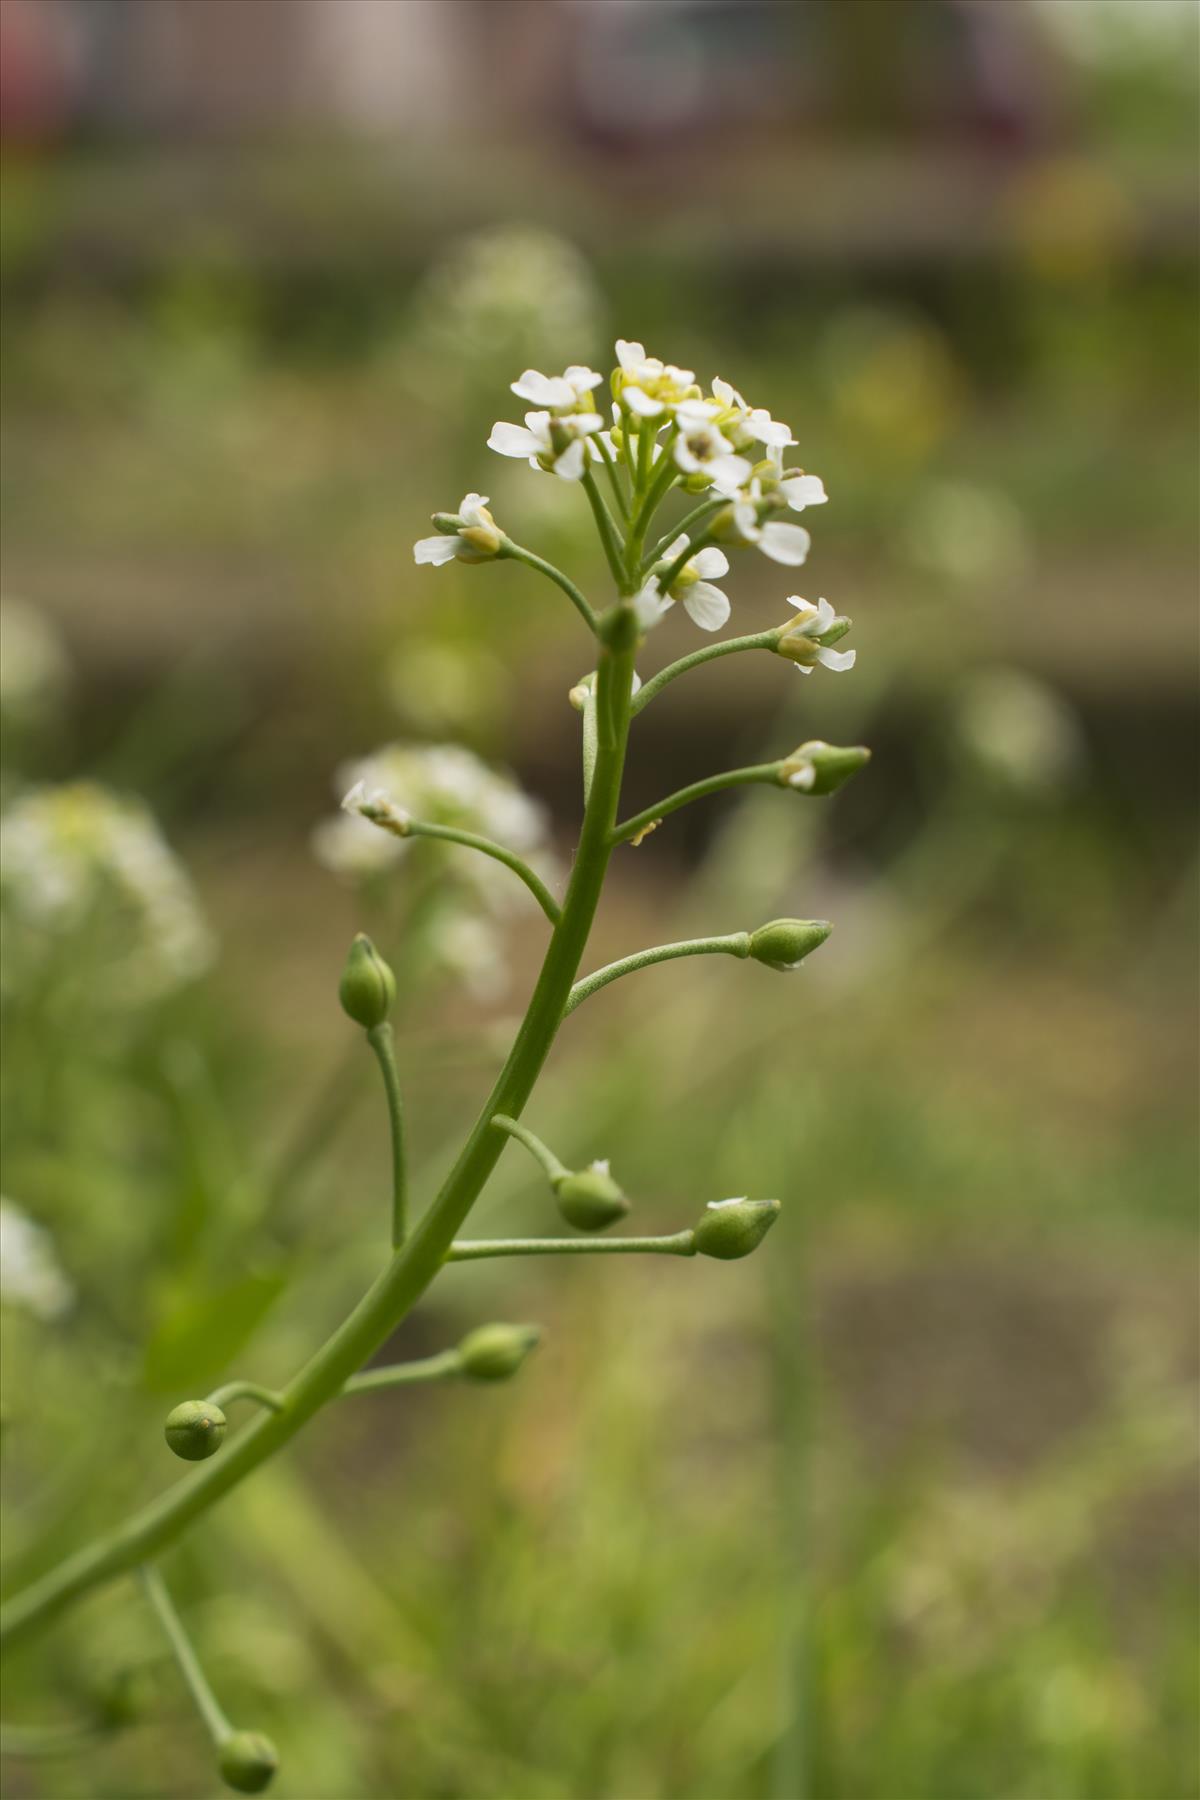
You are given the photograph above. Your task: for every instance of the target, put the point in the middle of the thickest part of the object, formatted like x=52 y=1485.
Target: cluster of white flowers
x=81 y=858
x=30 y=1274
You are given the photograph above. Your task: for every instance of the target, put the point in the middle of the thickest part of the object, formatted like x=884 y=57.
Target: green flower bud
x=368 y=987
x=821 y=768
x=494 y=1352
x=194 y=1430
x=247 y=1761
x=732 y=1228
x=446 y=523
x=784 y=943
x=696 y=483
x=590 y=1199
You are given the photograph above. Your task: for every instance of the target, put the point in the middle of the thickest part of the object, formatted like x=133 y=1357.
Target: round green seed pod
x=494 y=1352
x=195 y=1429
x=729 y=1229
x=247 y=1761
x=590 y=1199
x=368 y=987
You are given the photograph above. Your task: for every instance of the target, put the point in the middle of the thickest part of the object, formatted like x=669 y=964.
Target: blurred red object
x=37 y=66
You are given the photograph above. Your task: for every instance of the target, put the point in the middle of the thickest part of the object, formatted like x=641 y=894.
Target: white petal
x=684 y=457
x=677 y=548
x=825 y=616
x=804 y=490
x=650 y=606
x=436 y=550
x=513 y=440
x=708 y=562
x=630 y=353
x=570 y=464
x=745 y=518
x=470 y=508
x=800 y=604
x=788 y=544
x=768 y=430
x=803 y=777
x=803 y=668
x=582 y=379
x=836 y=659
x=729 y=473
x=544 y=390
x=640 y=403
x=706 y=606
x=728 y=396
x=352 y=801
x=583 y=423
x=691 y=414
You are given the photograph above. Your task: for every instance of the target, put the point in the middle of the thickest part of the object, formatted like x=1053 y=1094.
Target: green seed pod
x=732 y=1228
x=784 y=943
x=368 y=987
x=247 y=1761
x=494 y=1352
x=194 y=1430
x=590 y=1199
x=821 y=768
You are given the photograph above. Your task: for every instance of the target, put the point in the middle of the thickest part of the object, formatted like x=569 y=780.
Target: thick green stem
x=737 y=943
x=680 y=1243
x=758 y=640
x=699 y=790
x=542 y=1153
x=207 y=1704
x=450 y=834
x=518 y=553
x=410 y=1272
x=381 y=1042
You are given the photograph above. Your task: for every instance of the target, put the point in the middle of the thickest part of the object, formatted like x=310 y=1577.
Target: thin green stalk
x=647 y=432
x=518 y=553
x=737 y=943
x=671 y=574
x=606 y=457
x=758 y=640
x=591 y=739
x=246 y=1390
x=430 y=1368
x=698 y=790
x=542 y=1153
x=450 y=834
x=606 y=528
x=398 y=1288
x=659 y=478
x=381 y=1041
x=207 y=1704
x=707 y=509
x=680 y=1243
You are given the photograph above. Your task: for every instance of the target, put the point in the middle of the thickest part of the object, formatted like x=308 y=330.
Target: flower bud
x=821 y=768
x=195 y=1429
x=784 y=943
x=247 y=1761
x=696 y=483
x=590 y=1199
x=732 y=1228
x=494 y=1352
x=368 y=987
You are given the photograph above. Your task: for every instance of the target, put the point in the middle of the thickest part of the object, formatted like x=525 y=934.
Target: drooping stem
x=758 y=640
x=196 y=1681
x=542 y=1153
x=737 y=943
x=680 y=1243
x=698 y=790
x=382 y=1043
x=518 y=553
x=451 y=834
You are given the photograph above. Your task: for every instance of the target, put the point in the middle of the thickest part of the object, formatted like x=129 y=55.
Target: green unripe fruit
x=247 y=1761
x=821 y=768
x=732 y=1228
x=368 y=987
x=494 y=1352
x=590 y=1199
x=194 y=1430
x=784 y=943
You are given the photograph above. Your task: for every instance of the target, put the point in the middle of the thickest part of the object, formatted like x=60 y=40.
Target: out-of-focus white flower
x=472 y=535
x=548 y=441
x=30 y=1274
x=705 y=604
x=700 y=449
x=378 y=807
x=783 y=543
x=803 y=645
x=1020 y=730
x=33 y=660
x=647 y=387
x=470 y=947
x=563 y=393
x=80 y=856
x=800 y=490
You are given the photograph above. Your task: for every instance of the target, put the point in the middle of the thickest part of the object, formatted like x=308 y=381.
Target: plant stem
x=707 y=509
x=737 y=943
x=606 y=528
x=398 y=1288
x=606 y=457
x=555 y=1170
x=429 y=1368
x=381 y=1042
x=518 y=553
x=207 y=1704
x=667 y=580
x=758 y=640
x=451 y=834
x=698 y=790
x=680 y=1243
x=246 y=1390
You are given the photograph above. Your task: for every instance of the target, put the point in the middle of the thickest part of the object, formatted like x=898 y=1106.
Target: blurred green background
x=904 y=1508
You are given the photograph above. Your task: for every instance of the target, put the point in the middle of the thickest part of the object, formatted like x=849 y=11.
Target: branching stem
x=207 y=1704
x=382 y=1043
x=698 y=790
x=758 y=640
x=680 y=1243
x=451 y=834
x=542 y=1153
x=736 y=943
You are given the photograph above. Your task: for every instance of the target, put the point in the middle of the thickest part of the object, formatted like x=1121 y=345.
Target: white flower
x=802 y=645
x=30 y=1275
x=647 y=386
x=475 y=539
x=700 y=449
x=748 y=424
x=558 y=393
x=800 y=490
x=548 y=442
x=378 y=807
x=705 y=604
x=789 y=544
